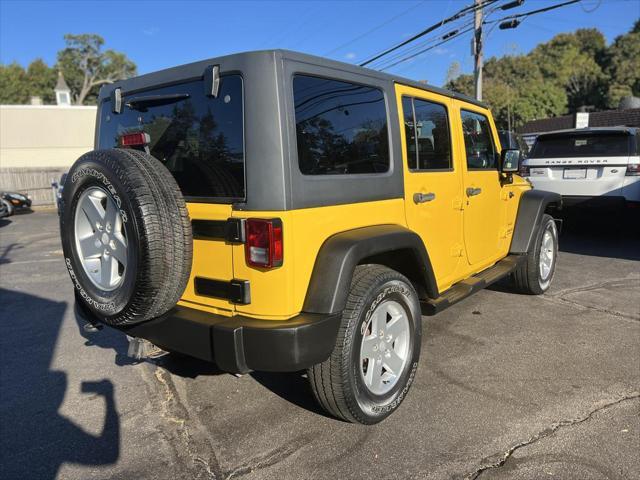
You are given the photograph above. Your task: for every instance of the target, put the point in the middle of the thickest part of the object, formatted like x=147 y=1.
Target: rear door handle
x=473 y=191
x=423 y=197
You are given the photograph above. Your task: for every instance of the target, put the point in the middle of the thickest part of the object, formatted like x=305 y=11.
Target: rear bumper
x=240 y=344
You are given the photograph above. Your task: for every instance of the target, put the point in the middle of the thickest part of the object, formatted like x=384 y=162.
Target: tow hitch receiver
x=139 y=349
x=92 y=327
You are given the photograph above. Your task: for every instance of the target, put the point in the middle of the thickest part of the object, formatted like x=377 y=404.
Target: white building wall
x=40 y=142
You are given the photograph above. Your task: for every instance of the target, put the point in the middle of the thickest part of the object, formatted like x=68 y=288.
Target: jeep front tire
x=376 y=355
x=535 y=274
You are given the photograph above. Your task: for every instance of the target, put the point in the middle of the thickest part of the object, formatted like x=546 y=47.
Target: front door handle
x=423 y=197
x=473 y=191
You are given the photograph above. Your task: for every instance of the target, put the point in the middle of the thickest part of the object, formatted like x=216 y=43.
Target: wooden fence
x=35 y=182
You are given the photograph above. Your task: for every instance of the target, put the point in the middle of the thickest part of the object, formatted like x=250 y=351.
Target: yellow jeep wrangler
x=277 y=211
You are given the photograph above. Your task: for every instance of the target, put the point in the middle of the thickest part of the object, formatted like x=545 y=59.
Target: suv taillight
x=523 y=170
x=263 y=245
x=136 y=139
x=633 y=170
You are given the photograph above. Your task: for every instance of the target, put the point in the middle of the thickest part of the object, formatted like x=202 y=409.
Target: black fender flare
x=341 y=253
x=533 y=204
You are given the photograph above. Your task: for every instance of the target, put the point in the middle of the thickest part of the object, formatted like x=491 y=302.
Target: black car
x=15 y=201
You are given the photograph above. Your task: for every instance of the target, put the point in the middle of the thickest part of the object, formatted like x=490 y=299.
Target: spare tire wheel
x=126 y=235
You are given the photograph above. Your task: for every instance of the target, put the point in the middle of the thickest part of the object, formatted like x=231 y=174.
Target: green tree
x=86 y=67
x=516 y=90
x=623 y=67
x=41 y=80
x=570 y=60
x=14 y=89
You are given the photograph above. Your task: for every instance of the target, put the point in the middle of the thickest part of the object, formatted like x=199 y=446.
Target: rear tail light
x=263 y=245
x=633 y=170
x=137 y=139
x=523 y=170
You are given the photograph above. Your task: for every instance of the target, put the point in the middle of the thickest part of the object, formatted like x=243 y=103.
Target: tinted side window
x=432 y=132
x=199 y=139
x=341 y=127
x=478 y=141
x=427 y=133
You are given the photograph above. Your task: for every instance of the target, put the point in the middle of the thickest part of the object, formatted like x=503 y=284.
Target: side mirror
x=509 y=160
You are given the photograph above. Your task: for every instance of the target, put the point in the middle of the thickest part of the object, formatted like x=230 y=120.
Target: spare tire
x=126 y=236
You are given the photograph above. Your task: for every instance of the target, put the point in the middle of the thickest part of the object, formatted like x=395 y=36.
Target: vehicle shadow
x=36 y=439
x=24 y=211
x=106 y=338
x=601 y=233
x=176 y=363
x=5 y=254
x=4 y=222
x=292 y=387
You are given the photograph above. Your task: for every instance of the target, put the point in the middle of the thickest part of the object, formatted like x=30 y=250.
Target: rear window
x=200 y=139
x=597 y=145
x=341 y=127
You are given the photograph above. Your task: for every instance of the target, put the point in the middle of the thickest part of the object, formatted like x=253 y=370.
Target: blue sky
x=166 y=33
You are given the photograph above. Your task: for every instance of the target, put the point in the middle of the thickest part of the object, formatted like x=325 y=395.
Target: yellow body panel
x=211 y=259
x=280 y=292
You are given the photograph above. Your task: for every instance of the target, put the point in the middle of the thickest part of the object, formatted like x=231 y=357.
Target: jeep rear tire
x=376 y=355
x=126 y=236
x=535 y=274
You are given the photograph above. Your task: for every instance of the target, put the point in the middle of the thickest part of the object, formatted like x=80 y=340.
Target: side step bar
x=471 y=285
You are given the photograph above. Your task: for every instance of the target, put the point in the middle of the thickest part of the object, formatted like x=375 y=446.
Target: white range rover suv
x=596 y=166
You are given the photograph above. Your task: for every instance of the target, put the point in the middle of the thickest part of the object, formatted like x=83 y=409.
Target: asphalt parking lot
x=509 y=386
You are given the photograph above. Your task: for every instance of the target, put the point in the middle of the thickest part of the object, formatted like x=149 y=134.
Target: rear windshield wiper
x=143 y=102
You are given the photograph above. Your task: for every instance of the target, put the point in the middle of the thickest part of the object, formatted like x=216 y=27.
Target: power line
x=445 y=40
x=459 y=14
x=384 y=64
x=599 y=2
x=438 y=38
x=533 y=12
x=375 y=29
x=456 y=32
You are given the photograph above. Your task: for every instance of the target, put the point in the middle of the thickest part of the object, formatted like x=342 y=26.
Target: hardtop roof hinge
x=116 y=100
x=212 y=81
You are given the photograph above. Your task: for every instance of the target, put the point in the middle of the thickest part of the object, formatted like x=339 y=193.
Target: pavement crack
x=502 y=458
x=613 y=282
x=268 y=459
x=615 y=313
x=561 y=296
x=174 y=411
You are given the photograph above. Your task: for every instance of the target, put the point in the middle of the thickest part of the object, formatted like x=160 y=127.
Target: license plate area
x=574 y=173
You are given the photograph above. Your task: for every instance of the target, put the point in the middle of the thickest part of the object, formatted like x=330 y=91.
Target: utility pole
x=477 y=49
